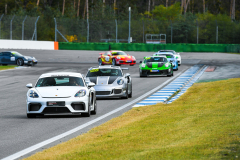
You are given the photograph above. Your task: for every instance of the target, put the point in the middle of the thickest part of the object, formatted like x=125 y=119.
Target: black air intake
x=34 y=106
x=78 y=106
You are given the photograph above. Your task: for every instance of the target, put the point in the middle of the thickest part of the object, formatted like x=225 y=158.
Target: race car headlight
x=143 y=65
x=120 y=82
x=133 y=57
x=118 y=57
x=166 y=64
x=26 y=58
x=33 y=94
x=81 y=93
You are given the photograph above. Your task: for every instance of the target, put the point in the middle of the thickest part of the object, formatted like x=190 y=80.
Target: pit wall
x=23 y=44
x=179 y=47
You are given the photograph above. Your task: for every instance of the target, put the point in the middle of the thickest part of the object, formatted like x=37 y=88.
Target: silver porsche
x=110 y=81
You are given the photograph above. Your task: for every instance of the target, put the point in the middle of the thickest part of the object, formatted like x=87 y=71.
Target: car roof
x=156 y=56
x=116 y=51
x=106 y=66
x=73 y=74
x=166 y=51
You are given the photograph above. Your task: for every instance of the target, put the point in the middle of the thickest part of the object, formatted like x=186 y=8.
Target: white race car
x=61 y=92
x=176 y=55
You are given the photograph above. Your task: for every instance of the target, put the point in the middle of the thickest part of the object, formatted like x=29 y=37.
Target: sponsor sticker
x=107 y=58
x=148 y=58
x=94 y=70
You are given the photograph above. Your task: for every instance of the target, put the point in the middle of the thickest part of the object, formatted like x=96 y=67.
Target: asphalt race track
x=18 y=132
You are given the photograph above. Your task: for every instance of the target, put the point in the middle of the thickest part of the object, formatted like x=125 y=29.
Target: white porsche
x=61 y=93
x=176 y=55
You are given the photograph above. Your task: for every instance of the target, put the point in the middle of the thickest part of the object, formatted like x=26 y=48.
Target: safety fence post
x=11 y=27
x=129 y=9
x=171 y=31
x=197 y=31
x=216 y=32
x=56 y=30
x=0 y=24
x=23 y=28
x=87 y=31
x=35 y=30
x=116 y=30
x=143 y=30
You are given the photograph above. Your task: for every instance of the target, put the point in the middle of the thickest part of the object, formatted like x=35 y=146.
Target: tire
x=131 y=64
x=4 y=64
x=100 y=62
x=126 y=97
x=20 y=62
x=31 y=115
x=113 y=62
x=130 y=95
x=88 y=113
x=95 y=108
x=179 y=64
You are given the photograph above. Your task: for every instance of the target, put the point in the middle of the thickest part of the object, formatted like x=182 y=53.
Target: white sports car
x=176 y=55
x=62 y=92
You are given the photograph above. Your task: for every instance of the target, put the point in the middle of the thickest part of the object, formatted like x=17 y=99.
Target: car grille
x=56 y=110
x=117 y=91
x=78 y=106
x=103 y=92
x=34 y=106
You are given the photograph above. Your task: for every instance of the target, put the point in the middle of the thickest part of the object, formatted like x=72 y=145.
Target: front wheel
x=88 y=113
x=130 y=95
x=100 y=62
x=179 y=64
x=31 y=115
x=20 y=62
x=95 y=108
x=126 y=97
x=113 y=62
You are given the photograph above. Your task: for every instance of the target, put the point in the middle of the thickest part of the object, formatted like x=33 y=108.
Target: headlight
x=133 y=57
x=81 y=93
x=143 y=65
x=26 y=58
x=166 y=64
x=120 y=82
x=33 y=94
x=118 y=57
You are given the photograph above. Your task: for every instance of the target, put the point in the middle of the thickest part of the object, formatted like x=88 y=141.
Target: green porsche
x=155 y=65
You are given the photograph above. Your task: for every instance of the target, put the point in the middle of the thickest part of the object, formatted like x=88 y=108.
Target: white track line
x=46 y=142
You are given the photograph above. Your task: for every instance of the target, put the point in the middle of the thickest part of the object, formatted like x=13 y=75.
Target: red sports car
x=116 y=58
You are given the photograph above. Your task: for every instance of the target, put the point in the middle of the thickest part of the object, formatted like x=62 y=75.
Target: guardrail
x=180 y=47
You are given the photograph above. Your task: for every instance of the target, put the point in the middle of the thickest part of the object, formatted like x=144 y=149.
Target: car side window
x=6 y=54
x=1 y=54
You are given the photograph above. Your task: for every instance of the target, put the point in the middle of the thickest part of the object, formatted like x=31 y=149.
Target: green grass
x=202 y=124
x=7 y=67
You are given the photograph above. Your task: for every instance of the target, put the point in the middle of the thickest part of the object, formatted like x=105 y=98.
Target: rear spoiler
x=124 y=68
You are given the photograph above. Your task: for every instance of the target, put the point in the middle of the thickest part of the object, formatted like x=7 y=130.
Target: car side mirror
x=91 y=84
x=127 y=75
x=109 y=55
x=29 y=85
x=140 y=61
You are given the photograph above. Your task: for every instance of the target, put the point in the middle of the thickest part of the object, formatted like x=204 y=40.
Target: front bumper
x=30 y=62
x=64 y=105
x=127 y=62
x=160 y=72
x=103 y=91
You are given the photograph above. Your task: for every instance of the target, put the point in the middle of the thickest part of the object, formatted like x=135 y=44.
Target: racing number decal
x=107 y=58
x=12 y=58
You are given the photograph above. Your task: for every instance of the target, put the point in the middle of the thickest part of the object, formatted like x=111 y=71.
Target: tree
x=203 y=6
x=63 y=7
x=78 y=8
x=232 y=10
x=37 y=3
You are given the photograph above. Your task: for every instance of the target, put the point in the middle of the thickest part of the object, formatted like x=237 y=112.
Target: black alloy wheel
x=126 y=97
x=89 y=111
x=95 y=108
x=113 y=62
x=100 y=62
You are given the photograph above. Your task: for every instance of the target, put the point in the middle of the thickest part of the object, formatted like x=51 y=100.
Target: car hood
x=28 y=57
x=155 y=64
x=58 y=92
x=124 y=57
x=104 y=80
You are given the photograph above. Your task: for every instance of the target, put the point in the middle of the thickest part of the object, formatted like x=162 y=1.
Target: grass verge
x=7 y=67
x=202 y=124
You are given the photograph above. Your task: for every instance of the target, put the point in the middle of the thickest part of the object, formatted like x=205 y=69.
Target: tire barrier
x=180 y=47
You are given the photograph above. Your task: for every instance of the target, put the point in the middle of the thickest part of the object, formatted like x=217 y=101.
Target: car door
x=107 y=58
x=1 y=56
x=6 y=59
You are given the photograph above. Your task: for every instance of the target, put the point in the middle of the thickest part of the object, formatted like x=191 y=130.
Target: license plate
x=55 y=103
x=154 y=70
x=128 y=61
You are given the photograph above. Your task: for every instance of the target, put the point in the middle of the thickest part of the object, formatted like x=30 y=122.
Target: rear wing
x=124 y=69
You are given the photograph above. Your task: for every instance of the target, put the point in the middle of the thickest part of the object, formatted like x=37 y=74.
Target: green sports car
x=155 y=65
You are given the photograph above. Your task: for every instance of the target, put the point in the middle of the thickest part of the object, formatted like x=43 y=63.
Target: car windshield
x=16 y=54
x=118 y=53
x=60 y=81
x=155 y=59
x=104 y=72
x=168 y=55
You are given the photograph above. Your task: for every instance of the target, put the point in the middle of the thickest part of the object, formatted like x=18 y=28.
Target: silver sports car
x=110 y=81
